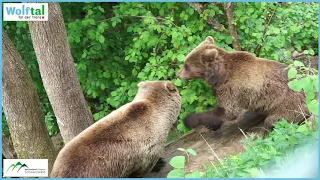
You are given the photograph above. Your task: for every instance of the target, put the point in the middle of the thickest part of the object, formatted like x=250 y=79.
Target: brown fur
x=242 y=82
x=126 y=143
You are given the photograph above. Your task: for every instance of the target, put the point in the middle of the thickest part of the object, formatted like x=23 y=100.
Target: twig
x=214 y=166
x=233 y=32
x=243 y=133
x=257 y=49
x=214 y=153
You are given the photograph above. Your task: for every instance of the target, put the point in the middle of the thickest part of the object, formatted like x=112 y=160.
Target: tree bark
x=211 y=21
x=22 y=108
x=233 y=32
x=200 y=7
x=59 y=75
x=7 y=147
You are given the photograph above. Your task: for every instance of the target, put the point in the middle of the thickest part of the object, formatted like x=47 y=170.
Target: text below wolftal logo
x=25 y=11
x=25 y=168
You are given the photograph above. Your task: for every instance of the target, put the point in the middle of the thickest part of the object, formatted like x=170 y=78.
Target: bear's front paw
x=191 y=121
x=215 y=125
x=161 y=163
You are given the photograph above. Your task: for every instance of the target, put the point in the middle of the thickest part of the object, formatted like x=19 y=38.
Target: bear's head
x=163 y=94
x=201 y=59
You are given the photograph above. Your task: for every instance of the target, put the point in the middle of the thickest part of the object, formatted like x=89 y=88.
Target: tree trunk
x=7 y=147
x=59 y=75
x=233 y=32
x=22 y=108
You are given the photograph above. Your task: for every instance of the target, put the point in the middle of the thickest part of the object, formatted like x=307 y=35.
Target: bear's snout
x=178 y=74
x=181 y=75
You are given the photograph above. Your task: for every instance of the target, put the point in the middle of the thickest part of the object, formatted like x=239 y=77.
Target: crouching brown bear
x=126 y=143
x=242 y=83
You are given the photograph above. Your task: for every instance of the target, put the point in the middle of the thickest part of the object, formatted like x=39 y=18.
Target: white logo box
x=25 y=11
x=25 y=168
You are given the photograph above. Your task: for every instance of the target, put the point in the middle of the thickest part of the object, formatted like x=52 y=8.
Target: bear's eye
x=186 y=67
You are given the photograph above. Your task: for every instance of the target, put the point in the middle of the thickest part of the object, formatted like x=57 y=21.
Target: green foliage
x=306 y=79
x=52 y=126
x=278 y=28
x=117 y=45
x=262 y=153
x=178 y=163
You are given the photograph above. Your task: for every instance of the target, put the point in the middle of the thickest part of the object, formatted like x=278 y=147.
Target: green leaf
x=114 y=93
x=228 y=40
x=295 y=85
x=84 y=55
x=303 y=129
x=238 y=12
x=114 y=23
x=134 y=72
x=102 y=86
x=191 y=151
x=177 y=162
x=134 y=12
x=161 y=12
x=141 y=75
x=298 y=63
x=292 y=73
x=250 y=10
x=178 y=82
x=96 y=116
x=176 y=173
x=181 y=57
x=106 y=74
x=306 y=84
x=181 y=149
x=100 y=9
x=313 y=106
x=311 y=52
x=276 y=30
x=101 y=39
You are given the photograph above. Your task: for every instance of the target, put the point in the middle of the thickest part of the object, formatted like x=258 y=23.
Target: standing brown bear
x=242 y=83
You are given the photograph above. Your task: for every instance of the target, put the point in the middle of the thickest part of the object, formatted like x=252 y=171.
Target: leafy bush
x=260 y=153
x=306 y=79
x=117 y=45
x=179 y=165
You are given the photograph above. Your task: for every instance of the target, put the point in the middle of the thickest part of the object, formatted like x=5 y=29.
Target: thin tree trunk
x=200 y=7
x=22 y=108
x=211 y=21
x=59 y=75
x=233 y=32
x=7 y=147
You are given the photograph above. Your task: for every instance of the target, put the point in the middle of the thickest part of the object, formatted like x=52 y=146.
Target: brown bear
x=243 y=83
x=126 y=143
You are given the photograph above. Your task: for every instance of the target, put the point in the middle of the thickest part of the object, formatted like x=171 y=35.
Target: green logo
x=17 y=165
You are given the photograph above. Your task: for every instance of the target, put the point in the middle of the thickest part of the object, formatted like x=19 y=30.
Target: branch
x=233 y=32
x=257 y=49
x=212 y=22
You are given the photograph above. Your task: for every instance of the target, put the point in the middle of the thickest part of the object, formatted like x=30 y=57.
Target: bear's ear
x=141 y=84
x=210 y=39
x=209 y=56
x=170 y=87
